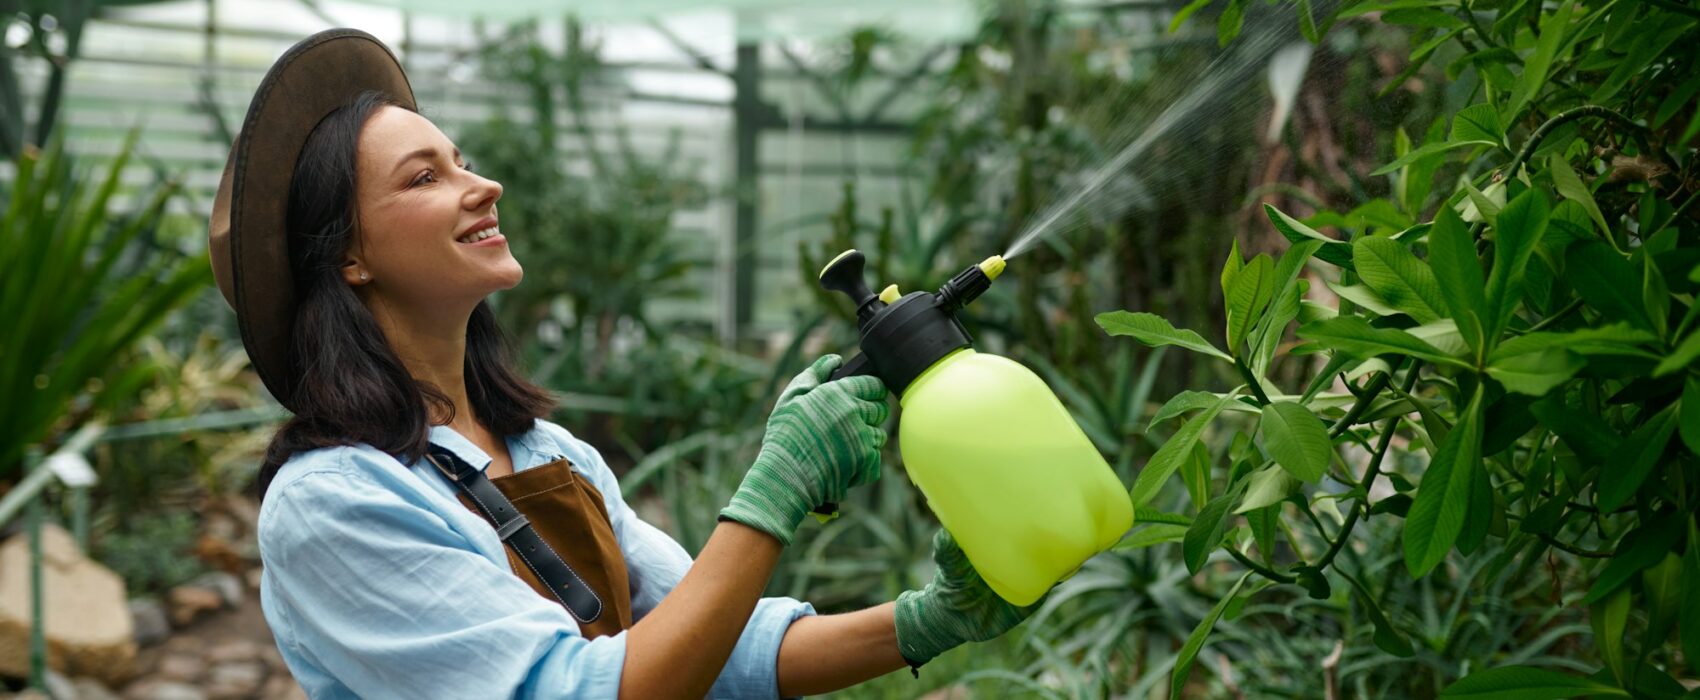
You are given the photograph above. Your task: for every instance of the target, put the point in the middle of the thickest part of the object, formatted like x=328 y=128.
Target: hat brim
x=312 y=79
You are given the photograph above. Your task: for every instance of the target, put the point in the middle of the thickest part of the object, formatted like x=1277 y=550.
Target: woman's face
x=428 y=231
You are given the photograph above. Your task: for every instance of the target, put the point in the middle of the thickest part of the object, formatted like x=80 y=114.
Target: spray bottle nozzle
x=969 y=284
x=844 y=274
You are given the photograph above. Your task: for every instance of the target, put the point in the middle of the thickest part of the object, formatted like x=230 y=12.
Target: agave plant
x=79 y=287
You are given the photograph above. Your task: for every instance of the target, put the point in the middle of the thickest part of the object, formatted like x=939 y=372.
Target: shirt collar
x=538 y=448
x=446 y=437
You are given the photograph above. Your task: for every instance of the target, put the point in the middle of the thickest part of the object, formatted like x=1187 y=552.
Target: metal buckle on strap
x=451 y=470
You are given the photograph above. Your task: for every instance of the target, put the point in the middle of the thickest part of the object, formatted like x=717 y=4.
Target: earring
x=362 y=277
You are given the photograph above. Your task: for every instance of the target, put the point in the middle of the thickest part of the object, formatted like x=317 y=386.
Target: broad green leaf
x=1478 y=123
x=1169 y=457
x=1662 y=584
x=1195 y=474
x=1178 y=404
x=1690 y=423
x=1443 y=335
x=1228 y=25
x=1681 y=357
x=1295 y=231
x=1607 y=282
x=1284 y=307
x=1254 y=285
x=1387 y=637
x=1655 y=296
x=1481 y=205
x=1615 y=339
x=1147 y=535
x=1266 y=487
x=1205 y=534
x=1571 y=187
x=1428 y=150
x=1297 y=440
x=1396 y=275
x=1154 y=330
x=1586 y=433
x=1459 y=274
x=1618 y=485
x=1536 y=373
x=1195 y=641
x=1517 y=230
x=1535 y=67
x=1525 y=683
x=1354 y=336
x=1609 y=617
x=1444 y=497
x=1264 y=523
x=1365 y=297
x=1641 y=548
x=1152 y=515
x=1231 y=267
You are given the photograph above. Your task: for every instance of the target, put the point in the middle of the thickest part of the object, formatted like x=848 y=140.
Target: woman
x=425 y=532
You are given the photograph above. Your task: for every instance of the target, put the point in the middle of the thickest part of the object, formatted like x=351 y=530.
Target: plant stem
x=1573 y=549
x=1558 y=120
x=1374 y=470
x=1251 y=380
x=1261 y=570
x=1371 y=390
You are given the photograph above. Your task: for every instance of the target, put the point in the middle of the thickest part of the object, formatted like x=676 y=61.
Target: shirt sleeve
x=395 y=603
x=655 y=563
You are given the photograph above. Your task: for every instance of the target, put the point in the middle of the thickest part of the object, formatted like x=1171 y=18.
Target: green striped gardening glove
x=957 y=607
x=822 y=439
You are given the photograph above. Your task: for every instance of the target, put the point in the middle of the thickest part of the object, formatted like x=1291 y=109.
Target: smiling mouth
x=479 y=235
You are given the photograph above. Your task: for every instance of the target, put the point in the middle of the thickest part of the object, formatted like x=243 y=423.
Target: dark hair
x=350 y=386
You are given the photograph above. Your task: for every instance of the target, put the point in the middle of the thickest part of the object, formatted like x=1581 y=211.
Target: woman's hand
x=822 y=439
x=957 y=607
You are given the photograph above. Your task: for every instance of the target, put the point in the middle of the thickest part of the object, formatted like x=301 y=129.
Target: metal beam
x=748 y=112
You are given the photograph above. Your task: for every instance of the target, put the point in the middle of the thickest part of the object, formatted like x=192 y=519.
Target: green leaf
x=1354 y=336
x=1297 y=440
x=1307 y=24
x=1169 y=457
x=1615 y=339
x=1585 y=432
x=1478 y=123
x=1525 y=683
x=1264 y=523
x=1618 y=485
x=1154 y=330
x=1152 y=515
x=1570 y=187
x=1205 y=535
x=1607 y=282
x=1535 y=67
x=1662 y=584
x=1396 y=275
x=1332 y=251
x=1481 y=205
x=1229 y=24
x=1254 y=285
x=1178 y=404
x=1609 y=617
x=1690 y=424
x=1459 y=274
x=1536 y=373
x=1231 y=267
x=1655 y=296
x=1643 y=547
x=1181 y=17
x=1147 y=535
x=1425 y=151
x=1517 y=230
x=1387 y=637
x=1681 y=357
x=1266 y=487
x=1444 y=497
x=1364 y=297
x=1195 y=641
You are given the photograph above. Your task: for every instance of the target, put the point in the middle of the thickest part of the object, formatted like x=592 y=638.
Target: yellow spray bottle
x=1003 y=465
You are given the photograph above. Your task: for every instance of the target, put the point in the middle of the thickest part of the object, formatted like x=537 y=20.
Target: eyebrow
x=426 y=152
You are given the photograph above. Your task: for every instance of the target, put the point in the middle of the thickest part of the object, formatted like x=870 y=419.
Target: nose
x=482 y=193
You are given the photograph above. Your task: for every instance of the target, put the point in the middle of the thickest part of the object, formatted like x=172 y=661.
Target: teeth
x=477 y=236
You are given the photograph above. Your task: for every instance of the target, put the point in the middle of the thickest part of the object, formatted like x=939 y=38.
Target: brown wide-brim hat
x=247 y=236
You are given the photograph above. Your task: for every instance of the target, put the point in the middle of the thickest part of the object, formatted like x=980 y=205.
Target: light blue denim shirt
x=378 y=583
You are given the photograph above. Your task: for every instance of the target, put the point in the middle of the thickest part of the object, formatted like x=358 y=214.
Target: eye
x=424 y=177
x=467 y=166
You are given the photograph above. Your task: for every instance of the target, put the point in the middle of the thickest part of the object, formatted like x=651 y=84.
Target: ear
x=355 y=273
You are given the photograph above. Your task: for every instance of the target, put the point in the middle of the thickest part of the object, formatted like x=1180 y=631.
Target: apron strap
x=516 y=532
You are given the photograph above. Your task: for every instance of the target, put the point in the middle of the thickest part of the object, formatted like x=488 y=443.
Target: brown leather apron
x=567 y=511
